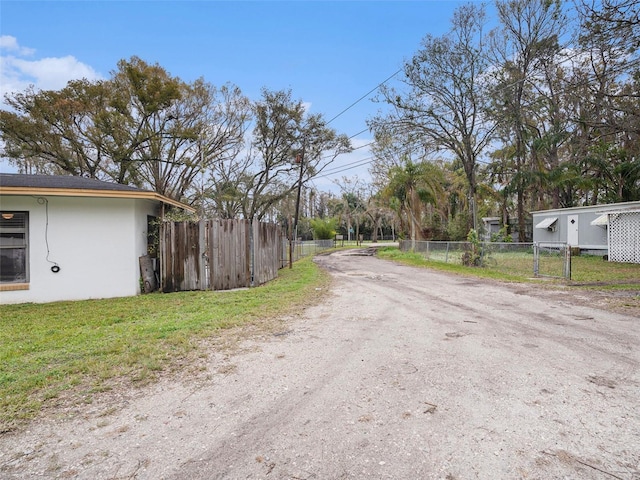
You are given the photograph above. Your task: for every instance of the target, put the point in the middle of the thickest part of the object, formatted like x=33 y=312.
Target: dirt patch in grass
x=625 y=300
x=110 y=396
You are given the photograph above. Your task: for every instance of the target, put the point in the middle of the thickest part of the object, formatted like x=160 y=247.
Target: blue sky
x=329 y=53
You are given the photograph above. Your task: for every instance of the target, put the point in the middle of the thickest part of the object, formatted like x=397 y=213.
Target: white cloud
x=17 y=73
x=54 y=73
x=7 y=42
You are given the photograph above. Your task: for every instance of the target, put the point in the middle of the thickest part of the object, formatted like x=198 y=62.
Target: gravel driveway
x=400 y=373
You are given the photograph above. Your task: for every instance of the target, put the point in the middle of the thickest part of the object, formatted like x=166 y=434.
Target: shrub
x=471 y=257
x=324 y=228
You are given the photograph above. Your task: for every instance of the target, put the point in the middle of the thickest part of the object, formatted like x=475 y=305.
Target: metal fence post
x=567 y=262
x=536 y=259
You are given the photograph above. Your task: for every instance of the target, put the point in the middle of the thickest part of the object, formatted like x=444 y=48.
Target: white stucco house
x=72 y=238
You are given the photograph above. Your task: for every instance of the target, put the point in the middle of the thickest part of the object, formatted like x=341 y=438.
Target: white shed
x=72 y=238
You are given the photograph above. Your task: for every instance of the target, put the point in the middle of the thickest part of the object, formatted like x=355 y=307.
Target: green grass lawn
x=518 y=266
x=592 y=269
x=80 y=348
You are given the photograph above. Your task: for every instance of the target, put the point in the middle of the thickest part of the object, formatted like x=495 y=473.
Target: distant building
x=492 y=226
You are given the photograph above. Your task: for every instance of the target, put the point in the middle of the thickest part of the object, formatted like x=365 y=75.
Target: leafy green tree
x=392 y=148
x=207 y=132
x=606 y=101
x=377 y=212
x=142 y=96
x=353 y=204
x=141 y=127
x=614 y=172
x=56 y=131
x=526 y=38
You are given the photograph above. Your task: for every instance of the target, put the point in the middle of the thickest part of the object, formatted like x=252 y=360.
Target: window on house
x=14 y=247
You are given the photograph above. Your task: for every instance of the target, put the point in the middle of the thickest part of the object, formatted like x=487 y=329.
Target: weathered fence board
x=225 y=248
x=180 y=269
x=218 y=254
x=266 y=252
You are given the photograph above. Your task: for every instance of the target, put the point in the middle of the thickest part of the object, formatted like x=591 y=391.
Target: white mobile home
x=587 y=228
x=72 y=238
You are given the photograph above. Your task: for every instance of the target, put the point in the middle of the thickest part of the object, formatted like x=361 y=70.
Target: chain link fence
x=517 y=259
x=302 y=249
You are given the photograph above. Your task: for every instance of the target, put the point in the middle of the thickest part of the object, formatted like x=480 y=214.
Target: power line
x=356 y=134
x=364 y=96
x=352 y=150
x=350 y=165
x=352 y=105
x=344 y=168
x=361 y=162
x=362 y=146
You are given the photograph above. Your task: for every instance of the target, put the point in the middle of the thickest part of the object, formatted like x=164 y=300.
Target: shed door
x=572 y=230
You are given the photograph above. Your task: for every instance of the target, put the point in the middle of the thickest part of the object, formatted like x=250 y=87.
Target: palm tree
x=411 y=187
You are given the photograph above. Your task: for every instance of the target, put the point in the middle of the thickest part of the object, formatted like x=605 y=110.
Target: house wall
x=546 y=235
x=95 y=241
x=591 y=238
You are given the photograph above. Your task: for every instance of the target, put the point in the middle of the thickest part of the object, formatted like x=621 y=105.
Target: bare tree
x=527 y=36
x=289 y=147
x=614 y=22
x=443 y=106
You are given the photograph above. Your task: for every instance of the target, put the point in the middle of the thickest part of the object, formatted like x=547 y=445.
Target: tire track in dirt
x=401 y=373
x=540 y=321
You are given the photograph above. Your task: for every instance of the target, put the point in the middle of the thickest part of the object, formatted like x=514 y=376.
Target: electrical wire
x=364 y=96
x=359 y=163
x=362 y=146
x=45 y=202
x=356 y=134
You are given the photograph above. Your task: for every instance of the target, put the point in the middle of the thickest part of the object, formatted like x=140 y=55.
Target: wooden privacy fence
x=218 y=254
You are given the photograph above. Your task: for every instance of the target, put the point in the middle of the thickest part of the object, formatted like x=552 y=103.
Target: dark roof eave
x=66 y=192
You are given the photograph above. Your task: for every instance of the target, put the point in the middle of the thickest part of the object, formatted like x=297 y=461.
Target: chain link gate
x=552 y=259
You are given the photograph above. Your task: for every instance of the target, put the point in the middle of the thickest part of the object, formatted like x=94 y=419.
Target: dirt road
x=401 y=373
